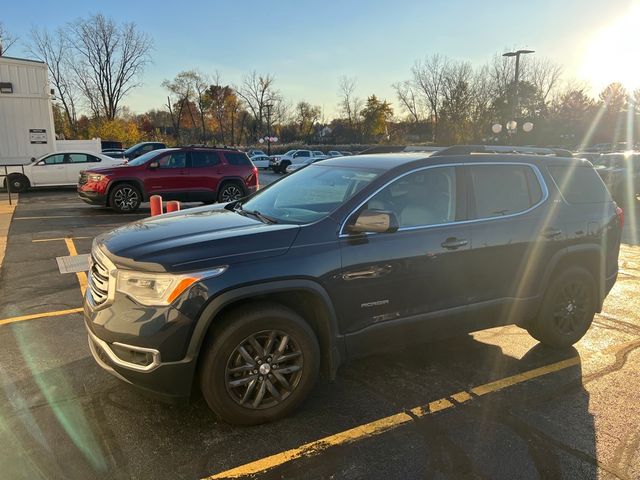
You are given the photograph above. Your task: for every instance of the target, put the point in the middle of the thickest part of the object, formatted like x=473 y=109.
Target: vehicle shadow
x=76 y=421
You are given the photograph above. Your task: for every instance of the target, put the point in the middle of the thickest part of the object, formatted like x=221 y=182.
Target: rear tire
x=249 y=374
x=567 y=310
x=230 y=191
x=125 y=198
x=17 y=183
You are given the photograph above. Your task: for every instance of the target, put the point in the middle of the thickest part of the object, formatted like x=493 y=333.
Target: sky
x=309 y=45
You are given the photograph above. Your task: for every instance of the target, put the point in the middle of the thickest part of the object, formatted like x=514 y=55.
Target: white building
x=26 y=114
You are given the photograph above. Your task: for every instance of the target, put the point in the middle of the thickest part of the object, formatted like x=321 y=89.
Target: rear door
x=515 y=233
x=203 y=175
x=51 y=170
x=169 y=178
x=76 y=162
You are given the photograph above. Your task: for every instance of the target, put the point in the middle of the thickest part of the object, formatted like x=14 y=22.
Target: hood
x=195 y=239
x=110 y=168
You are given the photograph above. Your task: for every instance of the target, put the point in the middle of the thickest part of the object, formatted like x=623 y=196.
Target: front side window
x=54 y=159
x=311 y=194
x=174 y=160
x=426 y=197
x=501 y=190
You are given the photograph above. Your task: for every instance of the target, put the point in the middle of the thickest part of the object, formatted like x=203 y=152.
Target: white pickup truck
x=294 y=157
x=54 y=169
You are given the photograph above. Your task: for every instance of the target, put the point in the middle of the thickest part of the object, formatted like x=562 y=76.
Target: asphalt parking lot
x=488 y=405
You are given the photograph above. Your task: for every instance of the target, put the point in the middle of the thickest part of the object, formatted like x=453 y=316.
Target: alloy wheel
x=231 y=193
x=570 y=312
x=264 y=369
x=126 y=198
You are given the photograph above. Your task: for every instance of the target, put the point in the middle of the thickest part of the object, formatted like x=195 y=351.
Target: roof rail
x=512 y=149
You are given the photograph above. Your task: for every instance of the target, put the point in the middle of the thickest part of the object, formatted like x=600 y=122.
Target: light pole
x=268 y=106
x=516 y=54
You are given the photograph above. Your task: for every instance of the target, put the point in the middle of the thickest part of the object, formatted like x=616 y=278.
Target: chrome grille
x=98 y=281
x=83 y=178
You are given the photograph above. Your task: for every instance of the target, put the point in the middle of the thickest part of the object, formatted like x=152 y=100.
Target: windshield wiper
x=255 y=213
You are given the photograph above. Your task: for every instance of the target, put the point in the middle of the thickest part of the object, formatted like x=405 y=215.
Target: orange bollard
x=173 y=206
x=156 y=205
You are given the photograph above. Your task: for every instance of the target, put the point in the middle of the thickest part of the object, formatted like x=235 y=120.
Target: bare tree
x=262 y=98
x=544 y=75
x=429 y=77
x=108 y=62
x=54 y=51
x=6 y=40
x=350 y=105
x=180 y=94
x=501 y=74
x=408 y=98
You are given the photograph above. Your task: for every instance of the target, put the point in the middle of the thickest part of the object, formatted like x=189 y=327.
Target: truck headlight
x=157 y=289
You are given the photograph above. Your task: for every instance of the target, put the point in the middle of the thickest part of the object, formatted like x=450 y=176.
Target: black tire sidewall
x=112 y=194
x=226 y=337
x=544 y=328
x=24 y=183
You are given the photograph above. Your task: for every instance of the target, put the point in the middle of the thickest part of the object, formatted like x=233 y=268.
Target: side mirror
x=153 y=165
x=374 y=221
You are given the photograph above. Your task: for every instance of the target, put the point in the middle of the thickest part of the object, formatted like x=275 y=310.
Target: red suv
x=194 y=174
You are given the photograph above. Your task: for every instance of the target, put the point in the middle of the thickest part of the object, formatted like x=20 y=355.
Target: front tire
x=17 y=183
x=125 y=198
x=568 y=308
x=260 y=364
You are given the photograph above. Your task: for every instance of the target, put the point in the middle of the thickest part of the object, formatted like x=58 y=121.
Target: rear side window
x=204 y=159
x=237 y=158
x=504 y=189
x=579 y=184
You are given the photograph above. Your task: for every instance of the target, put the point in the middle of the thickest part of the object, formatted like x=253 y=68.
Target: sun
x=612 y=54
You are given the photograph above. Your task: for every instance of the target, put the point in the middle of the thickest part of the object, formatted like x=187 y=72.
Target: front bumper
x=92 y=198
x=168 y=381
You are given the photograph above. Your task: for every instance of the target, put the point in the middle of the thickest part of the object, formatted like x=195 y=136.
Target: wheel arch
x=588 y=256
x=306 y=297
x=233 y=179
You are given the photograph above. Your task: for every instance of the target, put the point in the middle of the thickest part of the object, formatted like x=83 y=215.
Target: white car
x=298 y=163
x=57 y=169
x=294 y=157
x=261 y=161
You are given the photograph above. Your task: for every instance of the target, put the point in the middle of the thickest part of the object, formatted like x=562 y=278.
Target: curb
x=6 y=214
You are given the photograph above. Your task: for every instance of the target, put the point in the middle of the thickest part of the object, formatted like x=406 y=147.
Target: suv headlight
x=95 y=177
x=157 y=289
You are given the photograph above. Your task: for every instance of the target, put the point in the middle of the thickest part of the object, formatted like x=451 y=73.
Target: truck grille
x=83 y=178
x=98 y=281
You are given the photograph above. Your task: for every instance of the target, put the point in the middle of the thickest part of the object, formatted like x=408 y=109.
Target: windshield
x=142 y=159
x=312 y=193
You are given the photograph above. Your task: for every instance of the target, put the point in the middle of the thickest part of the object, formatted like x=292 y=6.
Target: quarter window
x=427 y=197
x=237 y=158
x=504 y=189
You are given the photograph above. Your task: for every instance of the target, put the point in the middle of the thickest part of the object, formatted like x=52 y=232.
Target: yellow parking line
x=82 y=276
x=57 y=239
x=34 y=316
x=385 y=424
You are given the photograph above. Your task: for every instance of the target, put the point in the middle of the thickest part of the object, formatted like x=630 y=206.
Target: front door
x=416 y=276
x=51 y=170
x=168 y=178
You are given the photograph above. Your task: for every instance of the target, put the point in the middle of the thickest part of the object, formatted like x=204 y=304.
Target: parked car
x=621 y=173
x=196 y=174
x=255 y=152
x=56 y=169
x=334 y=153
x=253 y=298
x=302 y=162
x=280 y=164
x=261 y=161
x=114 y=153
x=142 y=148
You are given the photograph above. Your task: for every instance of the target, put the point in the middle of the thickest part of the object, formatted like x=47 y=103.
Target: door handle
x=453 y=243
x=551 y=233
